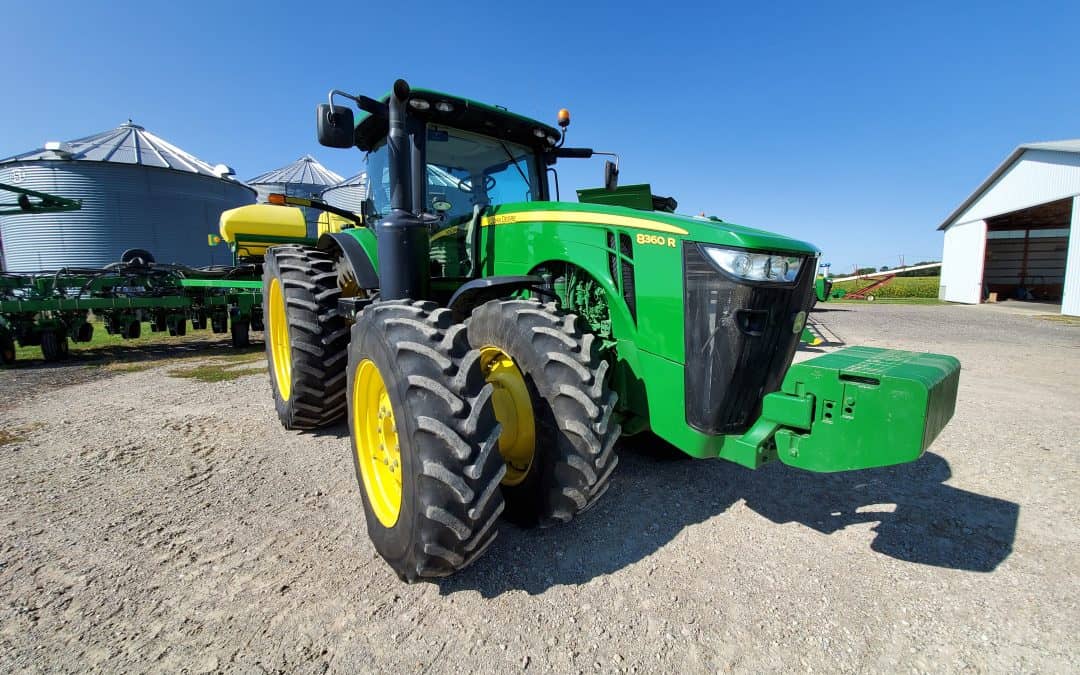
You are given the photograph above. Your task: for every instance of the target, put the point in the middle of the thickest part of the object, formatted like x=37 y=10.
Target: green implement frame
x=32 y=201
x=49 y=308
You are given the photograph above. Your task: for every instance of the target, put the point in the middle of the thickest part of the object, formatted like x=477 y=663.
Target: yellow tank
x=248 y=223
x=329 y=222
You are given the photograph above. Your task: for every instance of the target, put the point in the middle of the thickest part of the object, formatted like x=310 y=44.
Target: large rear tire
x=307 y=339
x=424 y=439
x=571 y=408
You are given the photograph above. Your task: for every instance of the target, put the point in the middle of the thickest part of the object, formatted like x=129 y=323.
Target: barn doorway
x=1026 y=253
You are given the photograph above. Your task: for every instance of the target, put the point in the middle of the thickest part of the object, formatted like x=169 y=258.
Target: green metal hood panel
x=668 y=224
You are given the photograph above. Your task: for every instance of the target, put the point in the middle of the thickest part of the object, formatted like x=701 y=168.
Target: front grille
x=740 y=340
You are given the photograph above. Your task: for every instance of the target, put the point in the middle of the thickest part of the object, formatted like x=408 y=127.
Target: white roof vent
x=224 y=171
x=61 y=149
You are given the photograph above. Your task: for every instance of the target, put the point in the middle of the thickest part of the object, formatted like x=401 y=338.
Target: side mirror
x=611 y=175
x=335 y=126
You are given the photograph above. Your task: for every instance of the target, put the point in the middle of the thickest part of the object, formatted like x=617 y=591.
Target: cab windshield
x=463 y=170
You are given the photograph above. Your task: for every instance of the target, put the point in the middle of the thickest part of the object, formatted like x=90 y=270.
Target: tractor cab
x=464 y=157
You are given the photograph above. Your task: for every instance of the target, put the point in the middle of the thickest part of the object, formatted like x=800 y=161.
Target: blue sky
x=855 y=125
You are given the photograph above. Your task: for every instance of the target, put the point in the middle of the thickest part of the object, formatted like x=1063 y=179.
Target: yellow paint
x=445 y=233
x=331 y=222
x=582 y=217
x=513 y=410
x=280 y=351
x=261 y=219
x=378 y=449
x=655 y=240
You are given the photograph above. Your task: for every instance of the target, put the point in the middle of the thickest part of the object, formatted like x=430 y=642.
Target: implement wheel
x=424 y=439
x=554 y=405
x=240 y=333
x=306 y=339
x=54 y=345
x=7 y=348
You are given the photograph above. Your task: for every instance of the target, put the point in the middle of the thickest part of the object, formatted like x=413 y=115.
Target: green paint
x=222 y=284
x=647 y=352
x=365 y=122
x=852 y=409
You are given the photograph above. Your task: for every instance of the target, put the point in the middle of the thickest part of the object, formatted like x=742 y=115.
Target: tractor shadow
x=656 y=495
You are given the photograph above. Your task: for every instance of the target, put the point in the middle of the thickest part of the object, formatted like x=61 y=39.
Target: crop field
x=900 y=287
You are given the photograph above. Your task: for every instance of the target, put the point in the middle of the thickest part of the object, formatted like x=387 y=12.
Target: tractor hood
x=691 y=228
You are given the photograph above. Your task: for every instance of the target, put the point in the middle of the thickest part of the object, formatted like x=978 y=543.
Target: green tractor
x=489 y=344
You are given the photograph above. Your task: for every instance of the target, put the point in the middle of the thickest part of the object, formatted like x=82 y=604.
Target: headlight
x=751 y=266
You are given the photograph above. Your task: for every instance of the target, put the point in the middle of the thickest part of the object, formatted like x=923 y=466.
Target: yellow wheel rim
x=280 y=353
x=377 y=448
x=514 y=410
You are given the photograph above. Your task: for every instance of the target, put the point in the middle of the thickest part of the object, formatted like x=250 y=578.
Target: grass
x=889 y=301
x=103 y=341
x=215 y=372
x=901 y=287
x=1060 y=318
x=17 y=434
x=115 y=354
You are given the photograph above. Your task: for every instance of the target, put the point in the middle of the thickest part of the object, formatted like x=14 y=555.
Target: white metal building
x=1018 y=234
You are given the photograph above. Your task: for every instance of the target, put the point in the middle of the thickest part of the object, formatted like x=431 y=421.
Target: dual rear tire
x=424 y=439
x=565 y=406
x=448 y=429
x=450 y=424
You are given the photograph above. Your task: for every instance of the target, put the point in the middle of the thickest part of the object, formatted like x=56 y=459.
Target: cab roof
x=465 y=114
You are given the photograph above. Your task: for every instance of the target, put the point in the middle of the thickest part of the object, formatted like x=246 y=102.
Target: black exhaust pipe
x=402 y=236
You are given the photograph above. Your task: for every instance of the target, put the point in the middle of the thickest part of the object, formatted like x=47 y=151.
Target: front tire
x=424 y=439
x=571 y=408
x=306 y=338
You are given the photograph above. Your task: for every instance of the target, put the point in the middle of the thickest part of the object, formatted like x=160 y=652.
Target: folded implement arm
x=32 y=201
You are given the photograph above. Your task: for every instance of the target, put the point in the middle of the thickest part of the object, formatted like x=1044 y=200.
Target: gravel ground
x=156 y=523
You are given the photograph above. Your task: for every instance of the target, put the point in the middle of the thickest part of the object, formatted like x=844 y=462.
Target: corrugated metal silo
x=303 y=178
x=137 y=191
x=348 y=194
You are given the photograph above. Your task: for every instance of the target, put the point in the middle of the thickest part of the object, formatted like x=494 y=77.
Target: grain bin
x=137 y=191
x=348 y=194
x=305 y=177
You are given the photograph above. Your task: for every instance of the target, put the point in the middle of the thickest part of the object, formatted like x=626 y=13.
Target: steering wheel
x=489 y=182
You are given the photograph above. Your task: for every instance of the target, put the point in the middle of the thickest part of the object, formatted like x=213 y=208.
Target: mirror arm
x=365 y=103
x=609 y=154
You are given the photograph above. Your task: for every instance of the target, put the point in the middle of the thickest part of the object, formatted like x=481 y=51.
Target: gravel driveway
x=160 y=523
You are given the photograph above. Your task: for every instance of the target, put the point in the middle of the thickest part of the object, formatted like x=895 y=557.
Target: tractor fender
x=478 y=291
x=353 y=252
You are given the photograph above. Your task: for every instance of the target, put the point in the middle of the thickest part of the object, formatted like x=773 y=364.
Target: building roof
x=358 y=179
x=1068 y=145
x=128 y=143
x=304 y=171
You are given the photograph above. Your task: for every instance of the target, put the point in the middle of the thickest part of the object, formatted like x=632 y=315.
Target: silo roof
x=358 y=179
x=128 y=143
x=304 y=171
